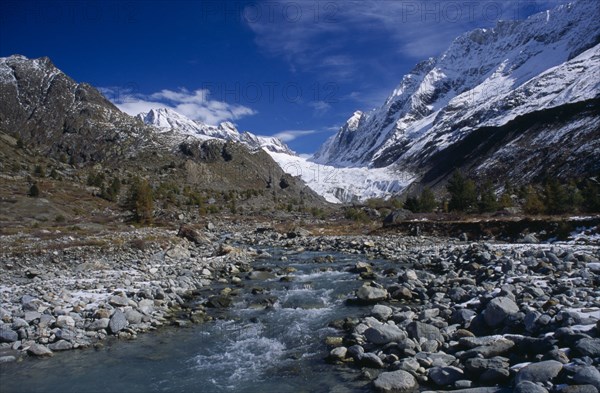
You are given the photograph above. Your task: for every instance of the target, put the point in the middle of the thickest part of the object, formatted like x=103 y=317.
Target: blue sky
x=297 y=69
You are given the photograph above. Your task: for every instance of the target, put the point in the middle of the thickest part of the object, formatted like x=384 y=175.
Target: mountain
x=59 y=119
x=515 y=101
x=46 y=108
x=170 y=121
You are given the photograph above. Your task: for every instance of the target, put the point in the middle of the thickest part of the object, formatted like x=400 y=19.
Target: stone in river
x=39 y=350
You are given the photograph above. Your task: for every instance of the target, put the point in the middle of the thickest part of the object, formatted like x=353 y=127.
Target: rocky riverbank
x=75 y=297
x=449 y=314
x=483 y=317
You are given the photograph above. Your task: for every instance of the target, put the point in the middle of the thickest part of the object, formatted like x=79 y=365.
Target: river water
x=279 y=349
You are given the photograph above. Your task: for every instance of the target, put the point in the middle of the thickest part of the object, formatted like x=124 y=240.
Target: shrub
x=39 y=171
x=34 y=191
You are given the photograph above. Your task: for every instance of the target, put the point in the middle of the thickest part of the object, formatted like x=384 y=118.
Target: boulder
x=117 y=322
x=498 y=309
x=419 y=330
x=588 y=375
x=370 y=294
x=529 y=387
x=8 y=335
x=443 y=376
x=398 y=381
x=39 y=350
x=544 y=371
x=384 y=334
x=589 y=347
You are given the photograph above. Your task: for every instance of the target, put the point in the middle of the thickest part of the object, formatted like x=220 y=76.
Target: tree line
x=464 y=195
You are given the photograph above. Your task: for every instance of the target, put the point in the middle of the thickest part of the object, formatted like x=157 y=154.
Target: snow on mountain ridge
x=169 y=120
x=482 y=69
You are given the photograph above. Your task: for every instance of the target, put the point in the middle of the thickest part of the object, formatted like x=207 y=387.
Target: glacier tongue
x=343 y=185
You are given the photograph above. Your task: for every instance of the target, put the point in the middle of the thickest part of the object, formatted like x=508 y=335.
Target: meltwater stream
x=280 y=349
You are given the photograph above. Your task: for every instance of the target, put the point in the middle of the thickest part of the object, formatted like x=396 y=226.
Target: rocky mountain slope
x=58 y=118
x=168 y=120
x=525 y=92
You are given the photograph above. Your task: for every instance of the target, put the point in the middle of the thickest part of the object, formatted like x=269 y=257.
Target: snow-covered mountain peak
x=482 y=72
x=168 y=120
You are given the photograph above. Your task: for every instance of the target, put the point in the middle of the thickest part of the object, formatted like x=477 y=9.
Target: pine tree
x=39 y=171
x=487 y=200
x=463 y=194
x=533 y=203
x=427 y=202
x=556 y=198
x=141 y=201
x=591 y=196
x=412 y=204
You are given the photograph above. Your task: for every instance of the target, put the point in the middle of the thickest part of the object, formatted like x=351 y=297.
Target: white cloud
x=345 y=39
x=196 y=104
x=320 y=107
x=290 y=135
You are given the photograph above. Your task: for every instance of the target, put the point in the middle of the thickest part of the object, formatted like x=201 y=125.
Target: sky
x=296 y=69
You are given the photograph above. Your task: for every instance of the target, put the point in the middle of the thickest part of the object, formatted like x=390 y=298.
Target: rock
x=333 y=341
x=544 y=371
x=219 y=301
x=338 y=353
x=588 y=375
x=133 y=317
x=65 y=321
x=356 y=351
x=496 y=347
x=260 y=275
x=8 y=335
x=395 y=382
x=443 y=376
x=117 y=322
x=493 y=376
x=589 y=347
x=498 y=309
x=60 y=345
x=178 y=252
x=146 y=306
x=39 y=350
x=99 y=324
x=419 y=330
x=384 y=334
x=408 y=364
x=19 y=323
x=381 y=312
x=32 y=315
x=397 y=216
x=479 y=365
x=361 y=267
x=370 y=360
x=189 y=233
x=370 y=294
x=298 y=232
x=529 y=387
x=118 y=301
x=579 y=389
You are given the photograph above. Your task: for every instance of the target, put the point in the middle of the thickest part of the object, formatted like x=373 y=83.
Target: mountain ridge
x=486 y=78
